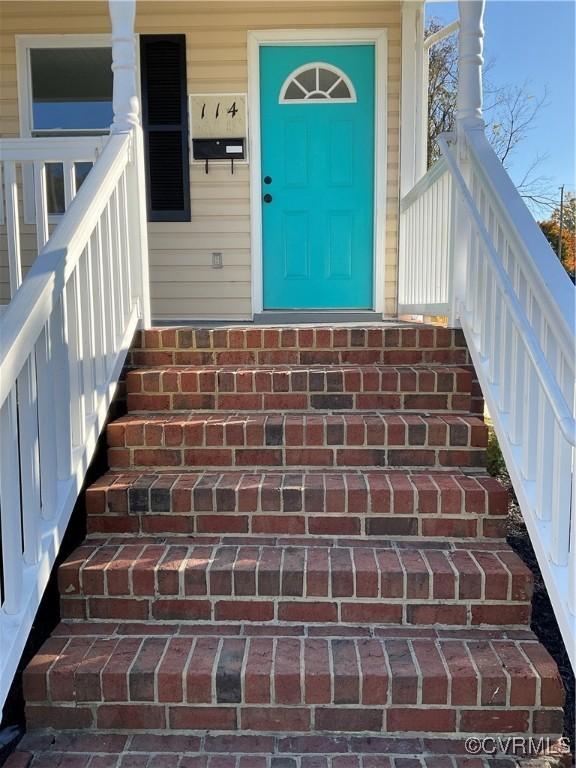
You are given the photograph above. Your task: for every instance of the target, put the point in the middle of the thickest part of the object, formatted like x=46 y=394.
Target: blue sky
x=534 y=40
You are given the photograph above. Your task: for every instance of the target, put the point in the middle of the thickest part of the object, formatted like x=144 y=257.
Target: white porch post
x=127 y=120
x=470 y=60
x=413 y=117
x=468 y=118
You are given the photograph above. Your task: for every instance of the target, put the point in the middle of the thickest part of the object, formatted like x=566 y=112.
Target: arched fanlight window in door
x=317 y=82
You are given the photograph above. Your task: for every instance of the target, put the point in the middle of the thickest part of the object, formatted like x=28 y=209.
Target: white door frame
x=379 y=38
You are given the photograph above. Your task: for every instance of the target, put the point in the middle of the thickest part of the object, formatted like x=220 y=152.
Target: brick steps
x=287 y=583
x=283 y=388
x=184 y=677
x=324 y=440
x=199 y=750
x=370 y=502
x=295 y=558
x=319 y=345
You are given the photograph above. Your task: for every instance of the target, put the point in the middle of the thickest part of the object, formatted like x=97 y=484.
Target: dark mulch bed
x=544 y=624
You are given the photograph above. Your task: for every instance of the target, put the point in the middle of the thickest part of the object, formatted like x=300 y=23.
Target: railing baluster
x=98 y=304
x=46 y=431
x=124 y=215
x=561 y=499
x=61 y=387
x=75 y=358
x=10 y=509
x=116 y=253
x=41 y=204
x=545 y=447
x=86 y=328
x=517 y=387
x=69 y=183
x=108 y=284
x=13 y=228
x=29 y=460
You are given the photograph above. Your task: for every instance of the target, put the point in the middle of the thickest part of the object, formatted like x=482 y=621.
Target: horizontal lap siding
x=183 y=284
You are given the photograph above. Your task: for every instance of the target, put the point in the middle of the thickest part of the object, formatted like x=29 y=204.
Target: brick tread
x=276 y=388
x=372 y=502
x=290 y=583
x=252 y=440
x=404 y=682
x=197 y=750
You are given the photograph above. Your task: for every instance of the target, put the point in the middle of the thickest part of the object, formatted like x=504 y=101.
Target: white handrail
x=25 y=161
x=516 y=306
x=545 y=375
x=63 y=341
x=31 y=307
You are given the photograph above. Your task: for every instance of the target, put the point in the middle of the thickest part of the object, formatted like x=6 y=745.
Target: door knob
x=267 y=198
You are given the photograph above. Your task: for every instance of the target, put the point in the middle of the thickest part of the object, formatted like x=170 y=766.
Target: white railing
x=63 y=339
x=516 y=306
x=23 y=178
x=424 y=274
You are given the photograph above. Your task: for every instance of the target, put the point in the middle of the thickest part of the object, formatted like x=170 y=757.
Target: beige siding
x=183 y=284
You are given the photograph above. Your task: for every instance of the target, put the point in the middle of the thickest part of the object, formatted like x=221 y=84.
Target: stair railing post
x=126 y=108
x=468 y=118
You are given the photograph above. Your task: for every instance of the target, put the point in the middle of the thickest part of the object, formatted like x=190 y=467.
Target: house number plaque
x=218 y=116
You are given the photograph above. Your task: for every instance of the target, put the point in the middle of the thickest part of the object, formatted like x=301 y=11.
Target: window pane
x=327 y=79
x=308 y=79
x=55 y=188
x=340 y=91
x=71 y=88
x=55 y=184
x=81 y=170
x=294 y=92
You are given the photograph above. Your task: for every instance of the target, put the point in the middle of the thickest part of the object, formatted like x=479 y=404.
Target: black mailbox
x=218 y=149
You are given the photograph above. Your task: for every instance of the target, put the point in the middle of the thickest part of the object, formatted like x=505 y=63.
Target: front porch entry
x=317 y=146
x=317 y=124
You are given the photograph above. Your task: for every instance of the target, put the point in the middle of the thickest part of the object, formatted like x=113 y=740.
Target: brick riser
x=300 y=388
x=370 y=503
x=296 y=440
x=264 y=583
x=305 y=346
x=420 y=681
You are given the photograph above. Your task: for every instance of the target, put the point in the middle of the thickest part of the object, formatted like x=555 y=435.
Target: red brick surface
x=435 y=388
x=314 y=583
x=296 y=562
x=371 y=502
x=116 y=750
x=247 y=439
x=181 y=677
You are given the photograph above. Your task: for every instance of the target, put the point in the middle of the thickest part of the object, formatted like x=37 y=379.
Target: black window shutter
x=165 y=124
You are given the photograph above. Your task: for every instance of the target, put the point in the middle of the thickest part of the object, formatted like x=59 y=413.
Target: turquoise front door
x=317 y=133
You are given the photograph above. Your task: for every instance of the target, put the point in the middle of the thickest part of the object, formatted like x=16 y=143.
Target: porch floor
x=201 y=750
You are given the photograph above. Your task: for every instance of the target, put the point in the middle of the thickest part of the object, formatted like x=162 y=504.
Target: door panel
x=318 y=150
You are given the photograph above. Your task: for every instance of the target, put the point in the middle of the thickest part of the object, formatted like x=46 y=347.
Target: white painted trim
x=317 y=65
x=23 y=78
x=379 y=38
x=413 y=105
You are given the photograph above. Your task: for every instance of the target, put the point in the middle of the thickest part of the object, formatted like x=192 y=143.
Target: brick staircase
x=296 y=551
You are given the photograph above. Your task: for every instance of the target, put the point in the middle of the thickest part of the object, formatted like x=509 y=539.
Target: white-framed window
x=64 y=89
x=317 y=82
